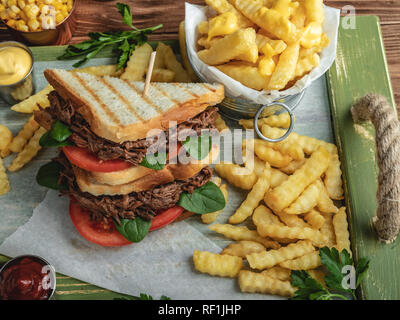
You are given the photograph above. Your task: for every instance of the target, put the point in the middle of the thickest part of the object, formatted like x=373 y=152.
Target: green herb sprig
x=311 y=289
x=124 y=42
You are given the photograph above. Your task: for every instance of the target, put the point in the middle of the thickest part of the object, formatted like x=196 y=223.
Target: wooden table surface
x=99 y=16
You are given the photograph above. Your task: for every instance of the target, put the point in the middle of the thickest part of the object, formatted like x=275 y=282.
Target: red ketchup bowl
x=27 y=277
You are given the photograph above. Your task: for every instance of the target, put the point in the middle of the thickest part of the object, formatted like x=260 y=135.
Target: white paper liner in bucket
x=194 y=14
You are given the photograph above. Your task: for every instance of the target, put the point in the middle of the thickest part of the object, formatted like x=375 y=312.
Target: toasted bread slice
x=89 y=181
x=116 y=109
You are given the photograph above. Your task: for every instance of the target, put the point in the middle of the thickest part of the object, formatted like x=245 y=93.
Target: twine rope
x=387 y=137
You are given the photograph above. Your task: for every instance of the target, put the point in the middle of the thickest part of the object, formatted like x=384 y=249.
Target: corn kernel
x=11 y=14
x=15 y=9
x=4 y=3
x=59 y=18
x=11 y=3
x=32 y=12
x=19 y=23
x=33 y=24
x=48 y=1
x=31 y=1
x=23 y=28
x=21 y=4
x=2 y=8
x=11 y=23
x=23 y=16
x=3 y=15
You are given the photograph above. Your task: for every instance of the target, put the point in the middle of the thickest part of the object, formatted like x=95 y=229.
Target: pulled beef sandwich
x=123 y=182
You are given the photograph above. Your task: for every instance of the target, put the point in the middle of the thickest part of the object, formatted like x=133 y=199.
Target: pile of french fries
x=292 y=188
x=26 y=143
x=263 y=44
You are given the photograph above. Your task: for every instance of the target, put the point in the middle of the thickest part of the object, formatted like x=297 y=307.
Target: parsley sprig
x=124 y=42
x=311 y=289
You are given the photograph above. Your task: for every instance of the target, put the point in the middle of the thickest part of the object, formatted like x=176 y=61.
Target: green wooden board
x=360 y=68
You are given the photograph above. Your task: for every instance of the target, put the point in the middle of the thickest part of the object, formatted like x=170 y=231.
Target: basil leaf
x=59 y=131
x=155 y=161
x=205 y=199
x=133 y=230
x=125 y=12
x=49 y=175
x=198 y=147
x=47 y=141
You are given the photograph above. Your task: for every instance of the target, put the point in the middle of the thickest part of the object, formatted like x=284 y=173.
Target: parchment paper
x=195 y=14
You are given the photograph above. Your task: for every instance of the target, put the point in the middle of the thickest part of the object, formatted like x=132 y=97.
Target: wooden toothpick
x=149 y=72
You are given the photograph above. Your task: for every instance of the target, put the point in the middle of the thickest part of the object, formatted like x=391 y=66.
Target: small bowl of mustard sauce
x=16 y=68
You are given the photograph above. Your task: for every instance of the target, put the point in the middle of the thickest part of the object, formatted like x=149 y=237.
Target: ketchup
x=25 y=279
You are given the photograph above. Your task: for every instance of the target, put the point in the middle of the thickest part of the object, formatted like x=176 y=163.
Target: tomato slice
x=95 y=232
x=87 y=160
x=166 y=217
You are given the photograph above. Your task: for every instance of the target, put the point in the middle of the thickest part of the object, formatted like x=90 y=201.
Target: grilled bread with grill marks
x=115 y=109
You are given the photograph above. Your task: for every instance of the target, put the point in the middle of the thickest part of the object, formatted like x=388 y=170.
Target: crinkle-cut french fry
x=314 y=219
x=310 y=144
x=249 y=76
x=210 y=217
x=217 y=264
x=242 y=248
x=29 y=105
x=306 y=201
x=249 y=123
x=5 y=140
x=138 y=63
x=315 y=11
x=262 y=283
x=292 y=220
x=268 y=154
x=285 y=7
x=277 y=272
x=309 y=261
x=277 y=177
x=280 y=121
x=103 y=70
x=159 y=61
x=288 y=146
x=243 y=233
x=208 y=43
x=333 y=178
x=220 y=123
x=305 y=65
x=293 y=166
x=173 y=64
x=240 y=42
x=298 y=17
x=286 y=67
x=325 y=204
x=275 y=231
x=278 y=46
x=28 y=152
x=328 y=230
x=267 y=259
x=222 y=6
x=267 y=19
x=240 y=177
x=4 y=183
x=263 y=215
x=340 y=226
x=20 y=140
x=311 y=35
x=162 y=75
x=253 y=197
x=283 y=195
x=185 y=59
x=318 y=275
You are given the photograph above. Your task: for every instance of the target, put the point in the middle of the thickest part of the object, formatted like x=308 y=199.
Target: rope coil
x=387 y=138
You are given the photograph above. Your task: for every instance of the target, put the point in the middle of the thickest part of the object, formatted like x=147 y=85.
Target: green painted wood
x=360 y=68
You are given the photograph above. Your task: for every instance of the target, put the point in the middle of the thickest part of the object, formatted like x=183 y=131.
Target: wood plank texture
x=100 y=16
x=359 y=69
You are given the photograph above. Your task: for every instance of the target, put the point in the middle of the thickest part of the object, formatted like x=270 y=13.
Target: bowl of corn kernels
x=40 y=22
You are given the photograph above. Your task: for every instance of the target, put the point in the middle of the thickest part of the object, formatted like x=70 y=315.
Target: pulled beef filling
x=131 y=151
x=145 y=204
